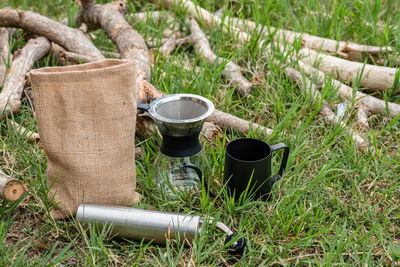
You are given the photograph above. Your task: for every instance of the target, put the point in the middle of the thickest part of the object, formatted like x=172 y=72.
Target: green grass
x=335 y=204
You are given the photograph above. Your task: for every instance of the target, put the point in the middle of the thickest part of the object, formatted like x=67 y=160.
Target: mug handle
x=200 y=174
x=283 y=163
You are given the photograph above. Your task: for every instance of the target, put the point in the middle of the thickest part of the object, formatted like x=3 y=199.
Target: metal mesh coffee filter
x=180 y=114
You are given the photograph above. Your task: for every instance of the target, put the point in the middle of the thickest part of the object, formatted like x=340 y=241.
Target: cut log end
x=13 y=190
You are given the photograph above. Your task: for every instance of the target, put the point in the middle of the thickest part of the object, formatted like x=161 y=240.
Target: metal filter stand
x=139 y=224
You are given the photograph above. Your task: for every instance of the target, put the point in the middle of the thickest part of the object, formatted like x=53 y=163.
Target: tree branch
x=231 y=71
x=311 y=89
x=146 y=92
x=71 y=39
x=372 y=103
x=110 y=17
x=22 y=63
x=371 y=76
x=348 y=50
x=4 y=52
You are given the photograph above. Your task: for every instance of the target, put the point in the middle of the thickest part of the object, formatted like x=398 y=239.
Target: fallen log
x=348 y=50
x=330 y=117
x=210 y=133
x=73 y=40
x=110 y=17
x=371 y=76
x=231 y=71
x=372 y=103
x=68 y=58
x=10 y=189
x=22 y=63
x=146 y=92
x=4 y=53
x=242 y=37
x=231 y=122
x=153 y=43
x=172 y=43
x=239 y=27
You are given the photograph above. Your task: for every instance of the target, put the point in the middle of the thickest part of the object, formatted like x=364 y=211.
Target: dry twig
x=202 y=14
x=172 y=43
x=4 y=52
x=68 y=58
x=371 y=76
x=347 y=50
x=372 y=103
x=362 y=117
x=22 y=63
x=71 y=39
x=231 y=71
x=146 y=92
x=311 y=89
x=110 y=17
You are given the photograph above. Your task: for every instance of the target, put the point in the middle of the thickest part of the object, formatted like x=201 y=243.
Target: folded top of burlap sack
x=86 y=116
x=82 y=71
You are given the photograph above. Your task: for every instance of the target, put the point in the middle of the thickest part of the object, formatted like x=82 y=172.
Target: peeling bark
x=71 y=39
x=231 y=71
x=371 y=76
x=22 y=63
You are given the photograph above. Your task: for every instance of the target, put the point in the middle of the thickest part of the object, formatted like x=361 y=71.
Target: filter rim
x=168 y=98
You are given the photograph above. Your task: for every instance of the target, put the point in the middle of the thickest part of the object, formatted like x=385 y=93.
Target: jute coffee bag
x=86 y=116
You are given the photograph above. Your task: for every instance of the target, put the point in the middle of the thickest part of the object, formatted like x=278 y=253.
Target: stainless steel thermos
x=139 y=224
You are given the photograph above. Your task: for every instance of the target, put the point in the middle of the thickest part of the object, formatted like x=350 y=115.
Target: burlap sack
x=86 y=116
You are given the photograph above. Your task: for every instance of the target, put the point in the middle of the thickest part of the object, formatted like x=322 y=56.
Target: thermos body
x=141 y=224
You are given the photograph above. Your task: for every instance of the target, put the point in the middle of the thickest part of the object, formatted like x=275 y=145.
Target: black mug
x=248 y=166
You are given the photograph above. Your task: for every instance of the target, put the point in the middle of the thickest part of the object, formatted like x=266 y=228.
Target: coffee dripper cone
x=179 y=118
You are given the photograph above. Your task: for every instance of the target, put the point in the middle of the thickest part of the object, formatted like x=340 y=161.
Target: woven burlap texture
x=86 y=116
